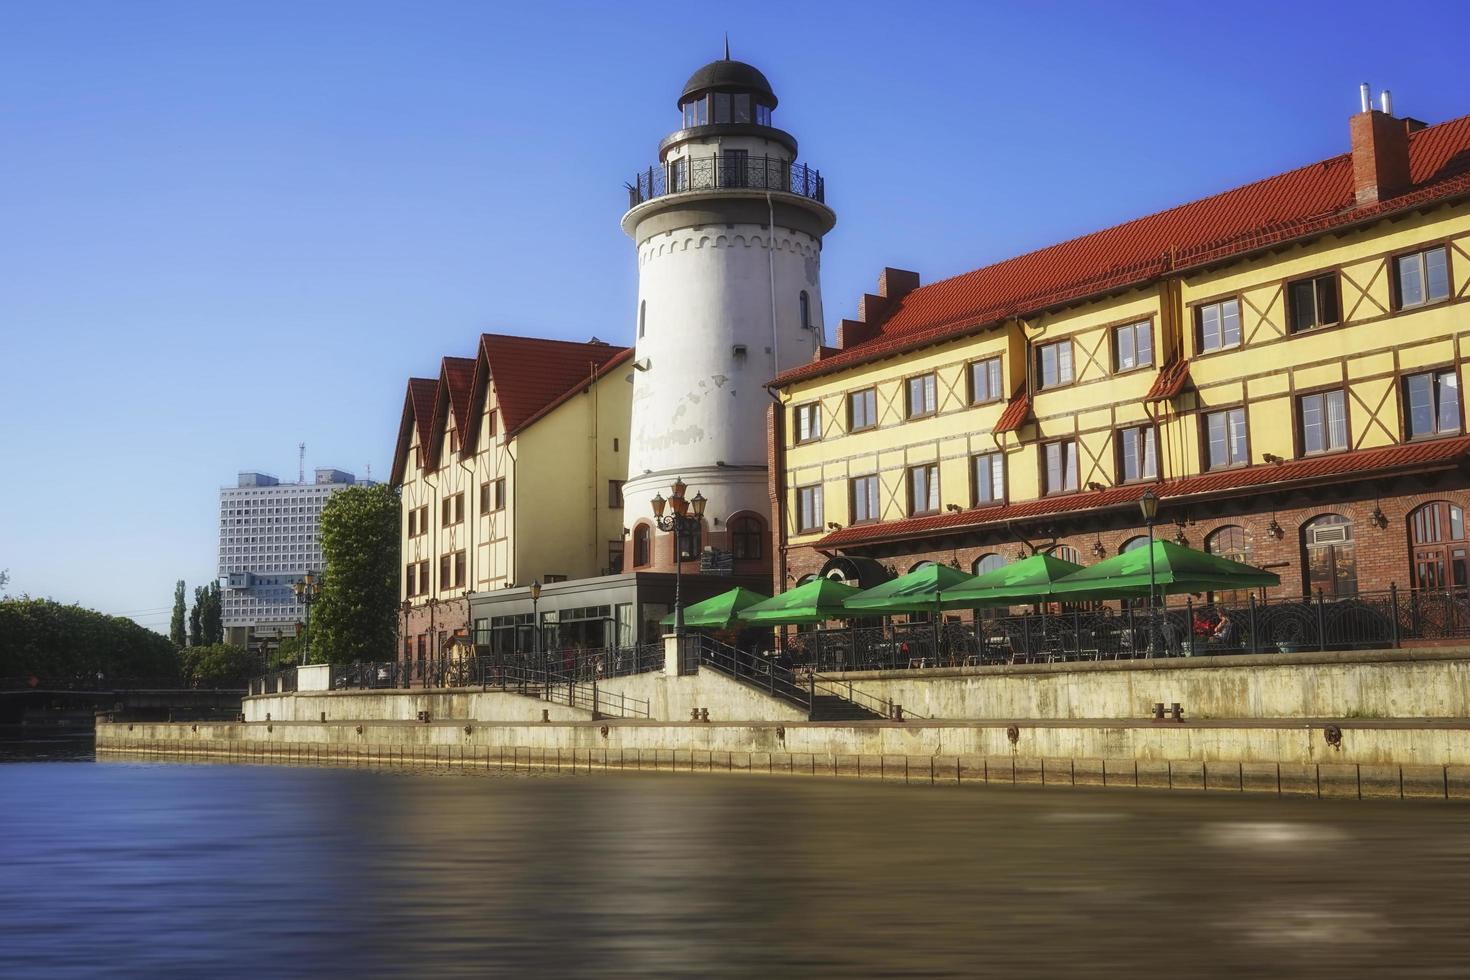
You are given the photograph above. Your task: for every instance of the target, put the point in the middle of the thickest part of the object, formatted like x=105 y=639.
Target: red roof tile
x=1018 y=410
x=1297 y=204
x=620 y=357
x=529 y=373
x=418 y=415
x=456 y=379
x=1410 y=457
x=1170 y=382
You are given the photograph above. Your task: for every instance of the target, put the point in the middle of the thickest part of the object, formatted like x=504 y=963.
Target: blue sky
x=226 y=228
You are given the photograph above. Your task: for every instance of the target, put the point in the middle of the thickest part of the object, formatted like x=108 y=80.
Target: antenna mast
x=301 y=463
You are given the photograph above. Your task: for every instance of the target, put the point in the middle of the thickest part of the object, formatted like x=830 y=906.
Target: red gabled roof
x=418 y=415
x=621 y=357
x=1018 y=410
x=1296 y=204
x=1170 y=382
x=457 y=378
x=1410 y=457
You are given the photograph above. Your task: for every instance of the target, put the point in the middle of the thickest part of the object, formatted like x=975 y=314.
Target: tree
x=219 y=665
x=288 y=653
x=68 y=646
x=356 y=616
x=212 y=618
x=176 y=624
x=196 y=622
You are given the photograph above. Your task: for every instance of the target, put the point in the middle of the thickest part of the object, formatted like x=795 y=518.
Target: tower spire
x=727 y=45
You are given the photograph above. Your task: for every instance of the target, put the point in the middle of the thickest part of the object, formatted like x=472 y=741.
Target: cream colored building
x=510 y=466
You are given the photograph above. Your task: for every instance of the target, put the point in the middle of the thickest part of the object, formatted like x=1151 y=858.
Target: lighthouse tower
x=728 y=227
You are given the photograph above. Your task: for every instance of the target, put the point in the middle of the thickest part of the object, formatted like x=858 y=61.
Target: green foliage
x=196 y=630
x=219 y=665
x=356 y=616
x=176 y=624
x=207 y=618
x=65 y=646
x=288 y=654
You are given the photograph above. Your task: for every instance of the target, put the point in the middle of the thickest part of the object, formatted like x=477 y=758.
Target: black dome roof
x=727 y=74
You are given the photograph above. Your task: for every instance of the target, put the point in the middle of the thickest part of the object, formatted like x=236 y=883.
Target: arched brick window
x=1437 y=534
x=747 y=537
x=1233 y=543
x=1329 y=563
x=642 y=545
x=987 y=563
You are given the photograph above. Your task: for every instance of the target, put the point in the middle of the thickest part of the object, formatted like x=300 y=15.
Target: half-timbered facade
x=1282 y=364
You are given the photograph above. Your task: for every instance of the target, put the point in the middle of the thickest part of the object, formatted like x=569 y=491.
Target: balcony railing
x=726 y=172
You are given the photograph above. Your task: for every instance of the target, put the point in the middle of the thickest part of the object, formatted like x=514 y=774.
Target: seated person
x=1224 y=633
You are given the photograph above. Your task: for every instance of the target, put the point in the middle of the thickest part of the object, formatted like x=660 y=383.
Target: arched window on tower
x=806 y=310
x=641 y=550
x=1437 y=533
x=1330 y=564
x=746 y=538
x=642 y=317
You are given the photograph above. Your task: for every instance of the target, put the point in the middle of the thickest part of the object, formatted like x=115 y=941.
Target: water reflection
x=191 y=870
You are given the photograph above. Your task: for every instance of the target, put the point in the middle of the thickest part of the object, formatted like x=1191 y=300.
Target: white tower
x=726 y=302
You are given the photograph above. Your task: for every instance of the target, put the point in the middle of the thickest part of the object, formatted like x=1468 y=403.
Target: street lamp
x=306 y=589
x=1149 y=504
x=685 y=521
x=536 y=623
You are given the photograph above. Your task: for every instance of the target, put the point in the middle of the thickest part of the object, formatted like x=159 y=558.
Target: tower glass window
x=746 y=537
x=806 y=310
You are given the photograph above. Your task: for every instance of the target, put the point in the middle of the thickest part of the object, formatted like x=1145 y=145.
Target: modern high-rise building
x=268 y=539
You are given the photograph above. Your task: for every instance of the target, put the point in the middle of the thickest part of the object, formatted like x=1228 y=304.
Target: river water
x=185 y=870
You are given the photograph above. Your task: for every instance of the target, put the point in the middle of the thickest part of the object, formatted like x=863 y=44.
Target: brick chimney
x=1380 y=151
x=893 y=286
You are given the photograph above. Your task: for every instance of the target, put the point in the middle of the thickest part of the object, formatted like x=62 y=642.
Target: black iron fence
x=280 y=682
x=726 y=171
x=1186 y=628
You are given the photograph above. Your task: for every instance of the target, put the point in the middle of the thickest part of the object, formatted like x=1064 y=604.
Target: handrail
x=726 y=171
x=844 y=689
x=778 y=681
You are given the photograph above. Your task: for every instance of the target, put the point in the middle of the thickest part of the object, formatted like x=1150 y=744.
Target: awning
x=918 y=591
x=718 y=612
x=1176 y=569
x=1028 y=580
x=817 y=601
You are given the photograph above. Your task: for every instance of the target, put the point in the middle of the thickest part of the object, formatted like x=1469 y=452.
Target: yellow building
x=1282 y=364
x=510 y=466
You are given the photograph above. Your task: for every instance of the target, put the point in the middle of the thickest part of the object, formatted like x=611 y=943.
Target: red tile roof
x=1170 y=382
x=1388 y=460
x=418 y=415
x=624 y=354
x=529 y=373
x=1297 y=204
x=457 y=378
x=1018 y=410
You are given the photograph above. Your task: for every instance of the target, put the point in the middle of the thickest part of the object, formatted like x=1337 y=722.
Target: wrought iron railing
x=724 y=171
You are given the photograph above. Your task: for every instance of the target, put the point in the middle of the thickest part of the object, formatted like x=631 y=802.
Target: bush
x=220 y=665
x=68 y=646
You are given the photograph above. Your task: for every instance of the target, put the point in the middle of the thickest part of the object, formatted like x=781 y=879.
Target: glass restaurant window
x=1313 y=302
x=1431 y=404
x=1437 y=533
x=1421 y=277
x=1217 y=325
x=1230 y=542
x=987 y=563
x=1330 y=563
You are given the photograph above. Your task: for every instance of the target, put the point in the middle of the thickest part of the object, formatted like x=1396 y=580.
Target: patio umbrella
x=918 y=591
x=817 y=601
x=718 y=612
x=1176 y=569
x=1028 y=580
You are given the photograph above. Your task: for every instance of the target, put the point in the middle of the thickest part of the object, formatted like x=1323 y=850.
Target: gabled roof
x=530 y=373
x=1297 y=204
x=1171 y=381
x=1384 y=461
x=451 y=394
x=1017 y=411
x=418 y=415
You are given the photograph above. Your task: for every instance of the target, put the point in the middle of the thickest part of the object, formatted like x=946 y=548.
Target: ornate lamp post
x=685 y=521
x=1149 y=504
x=306 y=589
x=536 y=624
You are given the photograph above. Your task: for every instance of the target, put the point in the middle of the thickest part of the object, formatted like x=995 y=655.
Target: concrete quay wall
x=1374 y=758
x=1420 y=683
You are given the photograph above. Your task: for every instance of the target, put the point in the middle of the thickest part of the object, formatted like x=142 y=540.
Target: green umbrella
x=718 y=612
x=1175 y=569
x=918 y=591
x=1028 y=580
x=815 y=602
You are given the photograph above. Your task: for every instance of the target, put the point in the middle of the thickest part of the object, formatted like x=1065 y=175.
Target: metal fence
x=727 y=171
x=1188 y=628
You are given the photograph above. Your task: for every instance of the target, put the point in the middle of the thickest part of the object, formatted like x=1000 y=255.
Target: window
x=1138 y=454
x=762 y=115
x=1217 y=325
x=1431 y=404
x=615 y=493
x=454 y=440
x=733 y=167
x=987 y=563
x=806 y=311
x=808 y=422
x=1059 y=467
x=1225 y=439
x=451 y=510
x=720 y=113
x=1054 y=364
x=985 y=381
x=686 y=541
x=862 y=409
x=1421 y=277
x=418 y=521
x=641 y=542
x=1133 y=346
x=490 y=424
x=452 y=570
x=1440 y=551
x=615 y=556
x=678 y=176
x=642 y=318
x=1322 y=421
x=1068 y=553
x=1233 y=544
x=747 y=536
x=740 y=106
x=924 y=489
x=988 y=479
x=1330 y=565
x=1313 y=302
x=865 y=499
x=484 y=499
x=809 y=508
x=417 y=578
x=497 y=494
x=921 y=396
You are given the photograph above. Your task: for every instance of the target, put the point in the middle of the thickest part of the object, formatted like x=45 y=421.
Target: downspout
x=771 y=269
x=778 y=471
x=596 y=508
